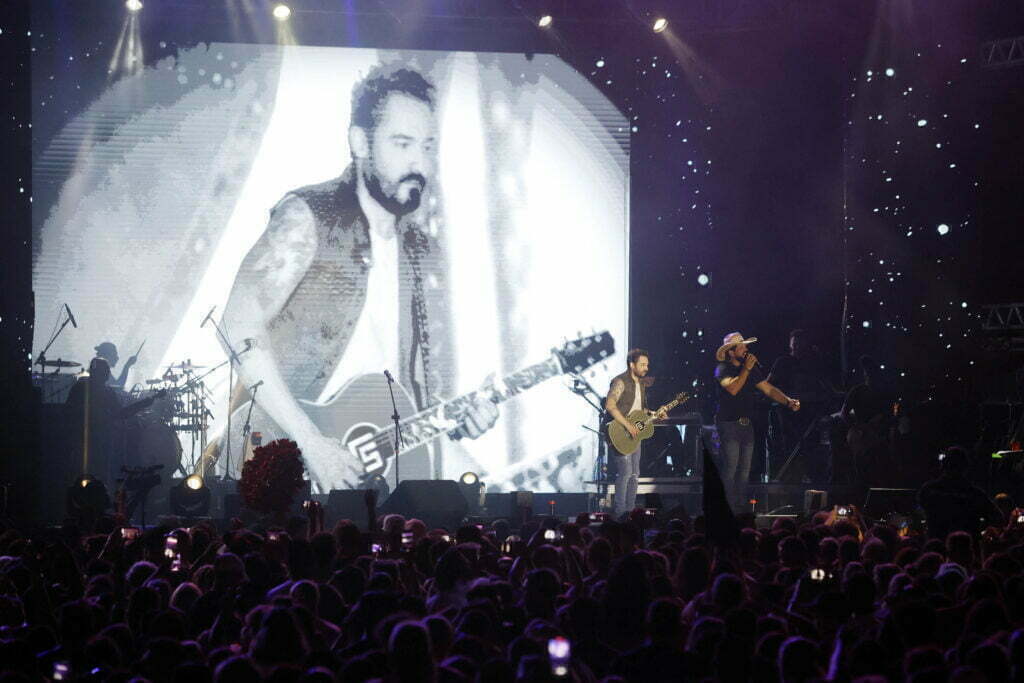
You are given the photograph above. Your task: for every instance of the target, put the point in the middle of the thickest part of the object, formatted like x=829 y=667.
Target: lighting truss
x=1005 y=52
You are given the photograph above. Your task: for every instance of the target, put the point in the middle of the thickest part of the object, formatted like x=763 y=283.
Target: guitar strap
x=416 y=247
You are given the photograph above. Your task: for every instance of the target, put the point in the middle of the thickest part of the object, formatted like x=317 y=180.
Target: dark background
x=810 y=204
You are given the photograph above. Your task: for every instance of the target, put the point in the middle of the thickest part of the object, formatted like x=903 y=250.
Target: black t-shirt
x=732 y=408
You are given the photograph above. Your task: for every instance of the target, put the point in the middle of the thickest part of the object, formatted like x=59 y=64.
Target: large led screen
x=452 y=218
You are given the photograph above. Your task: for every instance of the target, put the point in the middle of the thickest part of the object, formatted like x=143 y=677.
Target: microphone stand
x=232 y=361
x=602 y=443
x=248 y=416
x=41 y=358
x=399 y=441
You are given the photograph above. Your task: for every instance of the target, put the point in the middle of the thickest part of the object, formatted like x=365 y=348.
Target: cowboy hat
x=732 y=339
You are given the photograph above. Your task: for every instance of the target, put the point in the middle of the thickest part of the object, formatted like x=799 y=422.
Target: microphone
x=388 y=375
x=71 y=315
x=256 y=386
x=757 y=363
x=207 y=318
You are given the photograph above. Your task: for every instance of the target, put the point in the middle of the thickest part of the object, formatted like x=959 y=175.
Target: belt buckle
x=745 y=421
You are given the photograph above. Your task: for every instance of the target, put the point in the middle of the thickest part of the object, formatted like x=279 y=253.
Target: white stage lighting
x=660 y=24
x=282 y=12
x=194 y=482
x=545 y=21
x=133 y=5
x=469 y=479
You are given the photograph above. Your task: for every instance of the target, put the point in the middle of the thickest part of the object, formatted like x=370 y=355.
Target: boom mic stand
x=582 y=388
x=41 y=358
x=399 y=440
x=233 y=360
x=248 y=416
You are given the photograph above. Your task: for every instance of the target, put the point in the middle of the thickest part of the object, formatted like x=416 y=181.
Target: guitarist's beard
x=389 y=200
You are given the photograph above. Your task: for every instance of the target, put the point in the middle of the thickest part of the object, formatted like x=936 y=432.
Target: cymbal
x=59 y=363
x=186 y=366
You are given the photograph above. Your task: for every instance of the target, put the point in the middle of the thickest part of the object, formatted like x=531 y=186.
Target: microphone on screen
x=207 y=318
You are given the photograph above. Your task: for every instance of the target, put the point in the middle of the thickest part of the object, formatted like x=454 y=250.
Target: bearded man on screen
x=346 y=281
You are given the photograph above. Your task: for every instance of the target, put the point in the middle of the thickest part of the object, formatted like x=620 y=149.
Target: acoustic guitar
x=623 y=442
x=358 y=416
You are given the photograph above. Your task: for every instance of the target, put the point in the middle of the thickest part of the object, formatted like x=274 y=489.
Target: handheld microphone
x=388 y=375
x=207 y=318
x=71 y=315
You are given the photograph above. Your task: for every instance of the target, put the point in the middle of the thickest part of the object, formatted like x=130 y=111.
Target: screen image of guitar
x=360 y=421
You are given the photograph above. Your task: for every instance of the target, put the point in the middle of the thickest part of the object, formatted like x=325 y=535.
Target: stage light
x=473 y=491
x=545 y=21
x=87 y=496
x=133 y=5
x=703 y=280
x=660 y=24
x=190 y=498
x=282 y=12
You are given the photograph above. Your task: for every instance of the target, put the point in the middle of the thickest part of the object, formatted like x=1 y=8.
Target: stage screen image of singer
x=457 y=219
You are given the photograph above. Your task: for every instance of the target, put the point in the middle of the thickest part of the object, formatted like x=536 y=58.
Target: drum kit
x=173 y=405
x=53 y=384
x=151 y=436
x=180 y=407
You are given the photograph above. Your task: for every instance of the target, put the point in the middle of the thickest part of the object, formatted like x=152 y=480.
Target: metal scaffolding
x=1005 y=52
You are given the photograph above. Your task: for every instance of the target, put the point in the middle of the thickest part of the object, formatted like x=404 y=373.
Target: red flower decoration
x=272 y=477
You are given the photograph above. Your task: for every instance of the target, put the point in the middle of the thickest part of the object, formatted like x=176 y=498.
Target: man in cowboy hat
x=737 y=374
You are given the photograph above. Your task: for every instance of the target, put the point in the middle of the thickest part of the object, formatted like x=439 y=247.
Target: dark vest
x=625 y=401
x=312 y=329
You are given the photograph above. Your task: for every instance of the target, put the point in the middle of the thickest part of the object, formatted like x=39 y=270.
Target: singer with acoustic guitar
x=738 y=373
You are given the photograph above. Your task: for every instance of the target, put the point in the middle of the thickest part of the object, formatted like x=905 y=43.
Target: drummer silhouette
x=92 y=409
x=96 y=415
x=108 y=351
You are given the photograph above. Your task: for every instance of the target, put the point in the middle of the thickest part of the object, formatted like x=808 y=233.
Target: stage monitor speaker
x=347 y=504
x=439 y=503
x=562 y=504
x=882 y=502
x=814 y=501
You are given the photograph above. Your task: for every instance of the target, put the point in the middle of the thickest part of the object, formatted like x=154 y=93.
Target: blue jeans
x=735 y=454
x=626 y=481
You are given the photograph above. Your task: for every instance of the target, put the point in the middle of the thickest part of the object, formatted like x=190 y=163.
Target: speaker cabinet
x=439 y=503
